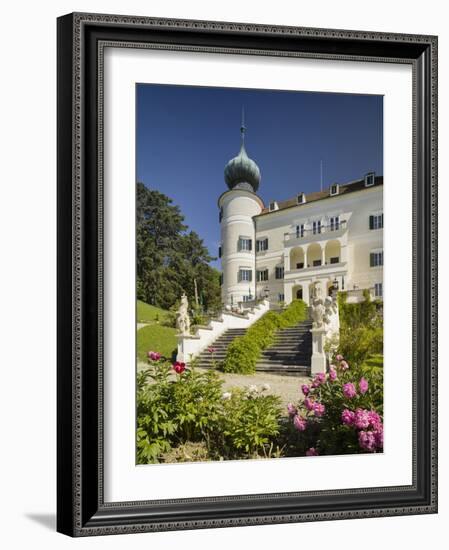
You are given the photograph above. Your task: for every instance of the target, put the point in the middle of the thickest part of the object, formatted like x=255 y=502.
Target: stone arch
x=333 y=252
x=297 y=258
x=314 y=255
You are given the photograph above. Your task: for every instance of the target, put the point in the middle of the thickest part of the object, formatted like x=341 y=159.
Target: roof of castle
x=351 y=187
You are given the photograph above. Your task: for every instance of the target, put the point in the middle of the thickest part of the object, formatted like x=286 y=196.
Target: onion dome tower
x=237 y=207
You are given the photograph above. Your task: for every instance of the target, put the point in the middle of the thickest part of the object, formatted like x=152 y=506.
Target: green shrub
x=244 y=352
x=250 y=423
x=187 y=417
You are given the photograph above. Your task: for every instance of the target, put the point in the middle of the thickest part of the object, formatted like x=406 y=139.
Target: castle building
x=280 y=251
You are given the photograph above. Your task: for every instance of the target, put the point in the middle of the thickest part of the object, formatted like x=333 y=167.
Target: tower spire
x=242 y=126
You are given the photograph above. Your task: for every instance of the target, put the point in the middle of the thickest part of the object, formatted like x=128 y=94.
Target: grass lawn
x=147 y=313
x=156 y=338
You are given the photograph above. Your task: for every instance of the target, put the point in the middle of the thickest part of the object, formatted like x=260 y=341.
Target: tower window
x=220 y=214
x=244 y=244
x=220 y=251
x=245 y=274
x=369 y=179
x=273 y=206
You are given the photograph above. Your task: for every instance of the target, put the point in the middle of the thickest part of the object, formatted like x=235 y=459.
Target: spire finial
x=243 y=127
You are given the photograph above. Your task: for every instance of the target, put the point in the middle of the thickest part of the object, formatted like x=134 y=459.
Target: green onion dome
x=241 y=172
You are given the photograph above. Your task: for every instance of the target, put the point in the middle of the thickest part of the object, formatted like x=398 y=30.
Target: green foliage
x=170 y=258
x=250 y=423
x=243 y=352
x=187 y=417
x=361 y=329
x=156 y=337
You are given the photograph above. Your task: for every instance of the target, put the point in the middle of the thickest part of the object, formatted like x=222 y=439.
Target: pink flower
x=211 y=350
x=332 y=374
x=179 y=367
x=319 y=379
x=347 y=417
x=312 y=452
x=367 y=441
x=344 y=365
x=300 y=423
x=305 y=389
x=308 y=403
x=379 y=437
x=291 y=409
x=349 y=390
x=319 y=409
x=154 y=355
x=361 y=419
x=363 y=385
x=375 y=420
x=339 y=357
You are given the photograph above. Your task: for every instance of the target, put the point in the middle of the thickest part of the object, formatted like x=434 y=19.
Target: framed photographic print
x=247 y=282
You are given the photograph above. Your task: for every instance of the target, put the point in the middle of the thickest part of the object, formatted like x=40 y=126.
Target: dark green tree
x=170 y=258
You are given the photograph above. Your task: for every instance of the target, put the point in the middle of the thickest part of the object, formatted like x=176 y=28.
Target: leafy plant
x=243 y=352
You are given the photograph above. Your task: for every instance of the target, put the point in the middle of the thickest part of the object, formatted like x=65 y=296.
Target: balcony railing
x=307 y=233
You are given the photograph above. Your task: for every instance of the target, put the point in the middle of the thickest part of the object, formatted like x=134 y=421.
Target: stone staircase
x=289 y=354
x=220 y=345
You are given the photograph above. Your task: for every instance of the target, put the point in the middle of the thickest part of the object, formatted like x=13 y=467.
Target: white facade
x=326 y=237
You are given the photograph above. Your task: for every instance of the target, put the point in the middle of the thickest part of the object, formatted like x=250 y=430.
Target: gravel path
x=287 y=387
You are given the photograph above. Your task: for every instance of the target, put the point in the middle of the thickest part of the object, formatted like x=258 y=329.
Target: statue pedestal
x=318 y=362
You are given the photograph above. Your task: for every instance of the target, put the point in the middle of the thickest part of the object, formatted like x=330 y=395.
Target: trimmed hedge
x=244 y=352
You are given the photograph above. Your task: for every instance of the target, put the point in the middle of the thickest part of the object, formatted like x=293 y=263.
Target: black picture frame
x=81 y=510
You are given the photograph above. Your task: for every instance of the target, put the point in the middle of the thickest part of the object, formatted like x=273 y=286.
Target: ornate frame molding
x=81 y=42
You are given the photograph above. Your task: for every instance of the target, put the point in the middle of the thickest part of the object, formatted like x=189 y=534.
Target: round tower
x=237 y=207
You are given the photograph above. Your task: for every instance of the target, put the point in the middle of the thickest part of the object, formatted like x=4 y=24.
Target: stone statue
x=182 y=318
x=318 y=310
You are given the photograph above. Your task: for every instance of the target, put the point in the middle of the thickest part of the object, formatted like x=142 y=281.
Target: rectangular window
x=376 y=221
x=244 y=244
x=262 y=275
x=261 y=245
x=300 y=231
x=247 y=298
x=281 y=297
x=220 y=215
x=376 y=259
x=219 y=251
x=279 y=272
x=378 y=290
x=316 y=263
x=300 y=265
x=316 y=227
x=335 y=223
x=334 y=260
x=245 y=275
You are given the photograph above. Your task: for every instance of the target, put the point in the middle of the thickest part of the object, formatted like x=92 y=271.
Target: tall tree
x=169 y=256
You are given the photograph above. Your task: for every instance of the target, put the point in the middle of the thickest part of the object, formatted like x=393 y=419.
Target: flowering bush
x=183 y=413
x=341 y=413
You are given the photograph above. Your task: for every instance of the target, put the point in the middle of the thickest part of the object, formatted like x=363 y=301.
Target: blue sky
x=186 y=135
